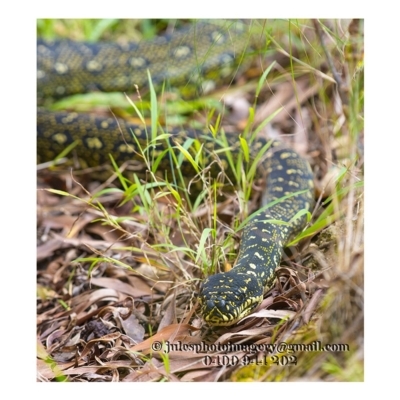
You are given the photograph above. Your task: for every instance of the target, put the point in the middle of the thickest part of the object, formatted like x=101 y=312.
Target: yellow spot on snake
x=182 y=51
x=60 y=138
x=285 y=155
x=93 y=65
x=123 y=148
x=291 y=183
x=94 y=143
x=137 y=62
x=218 y=37
x=61 y=68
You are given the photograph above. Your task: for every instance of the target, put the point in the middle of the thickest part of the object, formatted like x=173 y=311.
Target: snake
x=67 y=67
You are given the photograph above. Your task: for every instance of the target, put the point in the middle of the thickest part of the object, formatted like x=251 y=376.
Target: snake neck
x=262 y=245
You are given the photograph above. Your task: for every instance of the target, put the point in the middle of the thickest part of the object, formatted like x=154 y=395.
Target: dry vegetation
x=118 y=269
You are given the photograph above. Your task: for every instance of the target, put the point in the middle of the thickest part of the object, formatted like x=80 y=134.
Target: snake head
x=226 y=298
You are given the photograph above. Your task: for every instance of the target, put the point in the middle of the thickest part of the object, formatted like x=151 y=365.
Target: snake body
x=186 y=56
x=289 y=190
x=65 y=68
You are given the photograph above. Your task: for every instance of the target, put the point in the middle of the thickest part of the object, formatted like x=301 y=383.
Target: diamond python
x=67 y=67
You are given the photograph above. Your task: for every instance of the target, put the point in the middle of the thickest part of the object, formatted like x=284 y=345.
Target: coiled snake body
x=65 y=68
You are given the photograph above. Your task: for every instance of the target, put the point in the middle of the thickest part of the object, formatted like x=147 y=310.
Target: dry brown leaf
x=185 y=364
x=148 y=373
x=85 y=370
x=312 y=305
x=111 y=337
x=205 y=375
x=119 y=286
x=229 y=336
x=141 y=285
x=62 y=221
x=279 y=314
x=133 y=328
x=49 y=370
x=283 y=302
x=169 y=316
x=49 y=247
x=108 y=234
x=170 y=333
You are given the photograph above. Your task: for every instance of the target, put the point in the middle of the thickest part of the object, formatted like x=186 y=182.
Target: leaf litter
x=101 y=323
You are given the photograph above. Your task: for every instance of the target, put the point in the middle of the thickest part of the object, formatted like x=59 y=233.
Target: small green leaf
x=201 y=250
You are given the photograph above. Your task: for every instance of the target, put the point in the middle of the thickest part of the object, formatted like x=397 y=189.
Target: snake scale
x=66 y=67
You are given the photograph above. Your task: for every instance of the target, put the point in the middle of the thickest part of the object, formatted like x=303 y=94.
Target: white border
x=18 y=35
